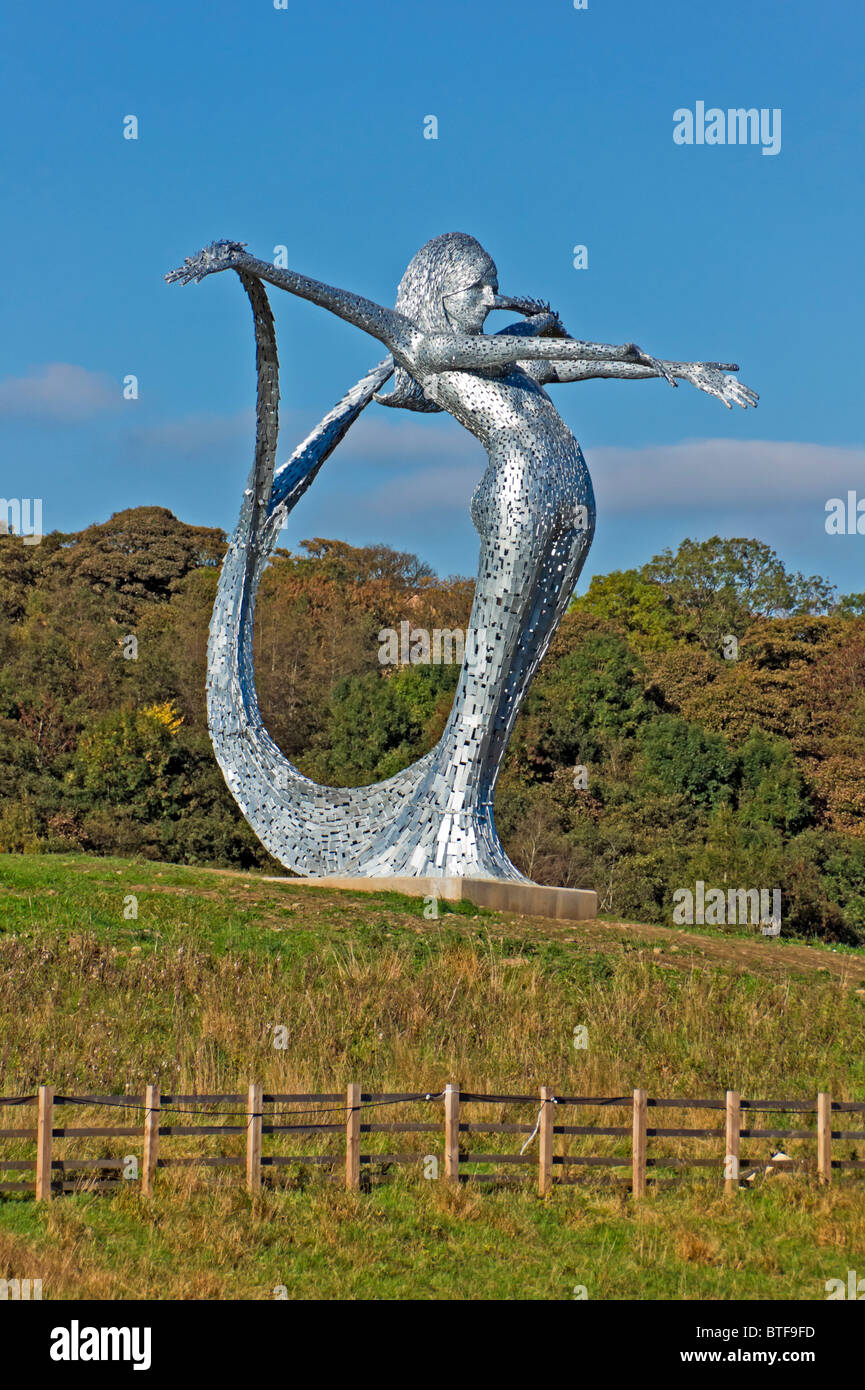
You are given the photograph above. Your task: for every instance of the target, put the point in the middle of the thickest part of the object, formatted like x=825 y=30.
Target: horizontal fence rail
x=344 y=1120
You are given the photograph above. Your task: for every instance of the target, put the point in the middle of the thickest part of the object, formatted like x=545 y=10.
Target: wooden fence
x=262 y=1114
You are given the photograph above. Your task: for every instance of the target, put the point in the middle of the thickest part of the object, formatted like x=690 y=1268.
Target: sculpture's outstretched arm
x=711 y=377
x=393 y=329
x=459 y=352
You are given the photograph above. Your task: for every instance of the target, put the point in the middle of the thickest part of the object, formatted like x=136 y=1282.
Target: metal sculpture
x=533 y=509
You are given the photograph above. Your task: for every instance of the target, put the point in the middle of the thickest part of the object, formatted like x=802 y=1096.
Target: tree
x=851 y=606
x=748 y=770
x=682 y=758
x=376 y=727
x=591 y=699
x=349 y=564
x=130 y=758
x=771 y=787
x=138 y=556
x=636 y=606
x=721 y=584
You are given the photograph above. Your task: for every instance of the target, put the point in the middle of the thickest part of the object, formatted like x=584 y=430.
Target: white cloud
x=370 y=441
x=59 y=391
x=191 y=435
x=399 y=438
x=727 y=476
x=443 y=488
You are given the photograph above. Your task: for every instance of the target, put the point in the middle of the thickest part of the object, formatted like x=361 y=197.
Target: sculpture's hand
x=553 y=328
x=545 y=323
x=532 y=307
x=219 y=255
x=712 y=378
x=537 y=312
x=528 y=307
x=635 y=354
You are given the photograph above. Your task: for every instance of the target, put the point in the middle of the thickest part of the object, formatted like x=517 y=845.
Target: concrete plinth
x=530 y=899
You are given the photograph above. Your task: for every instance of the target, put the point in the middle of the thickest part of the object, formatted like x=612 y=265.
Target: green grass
x=416 y=1240
x=369 y=990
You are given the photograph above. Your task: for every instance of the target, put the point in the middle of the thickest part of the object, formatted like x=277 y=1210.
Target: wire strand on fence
x=121 y=1104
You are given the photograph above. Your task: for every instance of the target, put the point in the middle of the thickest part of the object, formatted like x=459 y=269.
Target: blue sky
x=304 y=127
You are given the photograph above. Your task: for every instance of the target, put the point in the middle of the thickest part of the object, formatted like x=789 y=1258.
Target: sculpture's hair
x=443 y=266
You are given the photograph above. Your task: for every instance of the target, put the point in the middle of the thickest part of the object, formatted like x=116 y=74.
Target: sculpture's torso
x=536 y=478
x=534 y=511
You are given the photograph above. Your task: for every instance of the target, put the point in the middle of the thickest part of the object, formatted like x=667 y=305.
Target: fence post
x=152 y=1100
x=545 y=1148
x=824 y=1135
x=253 y=1137
x=44 y=1126
x=731 y=1156
x=352 y=1137
x=638 y=1155
x=452 y=1133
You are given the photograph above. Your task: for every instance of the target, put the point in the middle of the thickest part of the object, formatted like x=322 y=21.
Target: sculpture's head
x=449 y=286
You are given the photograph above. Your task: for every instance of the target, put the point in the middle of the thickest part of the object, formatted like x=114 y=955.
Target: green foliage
x=137 y=557
x=681 y=758
x=720 y=584
x=635 y=605
x=706 y=591
x=591 y=700
x=19 y=832
x=851 y=605
x=341 y=563
x=375 y=727
x=130 y=758
x=772 y=788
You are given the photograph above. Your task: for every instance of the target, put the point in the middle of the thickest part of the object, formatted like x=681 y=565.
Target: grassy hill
x=186 y=993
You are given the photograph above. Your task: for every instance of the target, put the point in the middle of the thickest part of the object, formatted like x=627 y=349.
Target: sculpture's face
x=467 y=309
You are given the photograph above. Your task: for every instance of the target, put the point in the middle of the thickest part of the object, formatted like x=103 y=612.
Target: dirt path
x=765 y=954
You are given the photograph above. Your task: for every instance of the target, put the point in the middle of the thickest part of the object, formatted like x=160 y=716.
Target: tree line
x=698 y=718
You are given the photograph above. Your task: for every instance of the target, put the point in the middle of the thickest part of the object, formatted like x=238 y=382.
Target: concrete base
x=530 y=899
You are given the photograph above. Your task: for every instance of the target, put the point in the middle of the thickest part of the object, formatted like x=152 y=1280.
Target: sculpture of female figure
x=533 y=510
